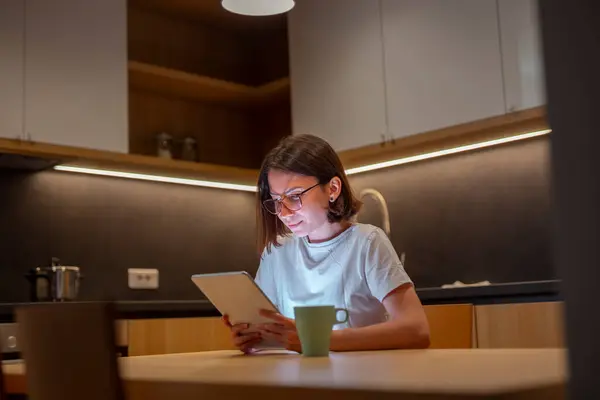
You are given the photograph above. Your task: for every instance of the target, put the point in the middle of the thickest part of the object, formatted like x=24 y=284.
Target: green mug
x=314 y=325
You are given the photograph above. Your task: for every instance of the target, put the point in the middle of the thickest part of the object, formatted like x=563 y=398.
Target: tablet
x=235 y=294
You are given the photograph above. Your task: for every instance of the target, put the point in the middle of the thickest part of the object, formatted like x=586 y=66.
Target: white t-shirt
x=355 y=270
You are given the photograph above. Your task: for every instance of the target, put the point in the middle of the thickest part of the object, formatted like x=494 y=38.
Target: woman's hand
x=241 y=340
x=282 y=330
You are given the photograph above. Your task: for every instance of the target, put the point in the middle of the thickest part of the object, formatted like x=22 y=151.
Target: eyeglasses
x=293 y=202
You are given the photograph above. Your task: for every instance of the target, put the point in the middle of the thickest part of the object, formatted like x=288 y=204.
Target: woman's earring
x=331 y=199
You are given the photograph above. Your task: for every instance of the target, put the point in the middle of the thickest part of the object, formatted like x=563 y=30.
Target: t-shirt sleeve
x=383 y=270
x=265 y=278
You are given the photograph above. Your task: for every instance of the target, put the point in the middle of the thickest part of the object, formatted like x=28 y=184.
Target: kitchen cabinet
x=522 y=57
x=443 y=63
x=177 y=335
x=76 y=73
x=525 y=325
x=451 y=326
x=336 y=71
x=12 y=47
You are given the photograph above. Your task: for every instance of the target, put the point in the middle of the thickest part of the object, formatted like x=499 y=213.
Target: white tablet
x=235 y=294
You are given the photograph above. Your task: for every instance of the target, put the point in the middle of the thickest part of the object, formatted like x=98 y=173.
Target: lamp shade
x=258 y=7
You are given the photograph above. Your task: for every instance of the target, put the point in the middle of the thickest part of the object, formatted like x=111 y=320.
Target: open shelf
x=202 y=88
x=133 y=163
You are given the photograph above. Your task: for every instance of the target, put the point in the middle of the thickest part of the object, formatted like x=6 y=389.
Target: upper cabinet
x=12 y=47
x=336 y=71
x=522 y=57
x=443 y=64
x=76 y=73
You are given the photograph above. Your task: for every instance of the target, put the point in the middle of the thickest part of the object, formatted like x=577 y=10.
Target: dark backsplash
x=107 y=225
x=476 y=216
x=470 y=217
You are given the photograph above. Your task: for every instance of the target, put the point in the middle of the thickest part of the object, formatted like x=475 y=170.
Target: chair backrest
x=69 y=351
x=451 y=326
x=2 y=389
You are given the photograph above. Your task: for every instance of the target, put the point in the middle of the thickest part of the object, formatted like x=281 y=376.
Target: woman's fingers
x=277 y=318
x=240 y=341
x=273 y=328
x=236 y=330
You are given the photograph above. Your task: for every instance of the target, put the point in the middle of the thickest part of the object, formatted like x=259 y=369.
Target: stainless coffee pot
x=54 y=283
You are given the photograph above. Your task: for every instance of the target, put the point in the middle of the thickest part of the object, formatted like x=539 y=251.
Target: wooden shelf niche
x=194 y=87
x=224 y=84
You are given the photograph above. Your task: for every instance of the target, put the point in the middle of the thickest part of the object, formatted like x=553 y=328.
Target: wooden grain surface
x=431 y=374
x=203 y=88
x=223 y=135
x=90 y=158
x=177 y=335
x=451 y=326
x=178 y=43
x=527 y=325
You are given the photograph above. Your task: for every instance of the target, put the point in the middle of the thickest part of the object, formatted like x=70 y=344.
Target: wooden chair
x=69 y=351
x=2 y=389
x=451 y=326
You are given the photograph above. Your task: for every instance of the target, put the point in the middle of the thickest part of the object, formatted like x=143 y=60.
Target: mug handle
x=337 y=321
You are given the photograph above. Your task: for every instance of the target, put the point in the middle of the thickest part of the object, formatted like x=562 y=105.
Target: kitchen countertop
x=432 y=374
x=512 y=292
x=516 y=292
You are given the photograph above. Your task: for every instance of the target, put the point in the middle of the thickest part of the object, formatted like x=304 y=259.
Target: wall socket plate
x=142 y=278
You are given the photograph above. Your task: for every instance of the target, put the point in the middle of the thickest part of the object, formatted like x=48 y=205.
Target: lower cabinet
x=177 y=335
x=523 y=325
x=519 y=325
x=455 y=326
x=451 y=326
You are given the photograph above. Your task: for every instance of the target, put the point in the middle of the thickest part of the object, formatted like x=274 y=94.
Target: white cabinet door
x=522 y=58
x=12 y=39
x=443 y=63
x=76 y=73
x=336 y=71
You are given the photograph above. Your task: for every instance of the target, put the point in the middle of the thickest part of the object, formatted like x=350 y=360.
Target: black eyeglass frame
x=281 y=200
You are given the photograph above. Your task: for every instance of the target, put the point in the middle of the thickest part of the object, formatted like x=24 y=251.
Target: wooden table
x=419 y=374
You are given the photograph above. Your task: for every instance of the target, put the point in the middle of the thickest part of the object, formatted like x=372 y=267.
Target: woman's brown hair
x=306 y=155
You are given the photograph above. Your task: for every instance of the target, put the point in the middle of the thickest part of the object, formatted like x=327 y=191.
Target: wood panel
x=451 y=326
x=432 y=374
x=223 y=134
x=175 y=83
x=176 y=43
x=2 y=384
x=177 y=335
x=125 y=162
x=271 y=124
x=528 y=325
x=122 y=332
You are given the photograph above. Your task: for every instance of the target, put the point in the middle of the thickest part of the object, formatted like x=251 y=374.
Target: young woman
x=314 y=253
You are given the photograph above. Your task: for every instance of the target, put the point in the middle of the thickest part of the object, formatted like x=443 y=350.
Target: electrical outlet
x=142 y=278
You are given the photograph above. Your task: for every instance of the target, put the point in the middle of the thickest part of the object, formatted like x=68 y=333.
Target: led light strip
x=446 y=152
x=157 y=178
x=351 y=171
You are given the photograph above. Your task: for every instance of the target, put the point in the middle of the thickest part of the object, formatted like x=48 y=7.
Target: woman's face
x=312 y=216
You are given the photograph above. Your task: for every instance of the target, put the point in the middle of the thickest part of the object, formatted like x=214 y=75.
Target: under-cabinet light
x=445 y=152
x=351 y=171
x=157 y=178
